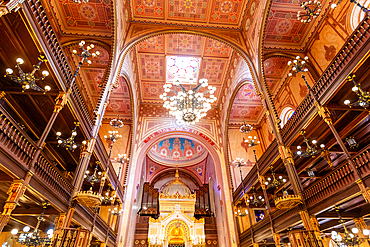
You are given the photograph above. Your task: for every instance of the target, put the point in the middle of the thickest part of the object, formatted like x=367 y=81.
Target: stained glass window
x=182 y=67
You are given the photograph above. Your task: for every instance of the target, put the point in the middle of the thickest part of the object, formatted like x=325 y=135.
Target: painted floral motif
x=226 y=6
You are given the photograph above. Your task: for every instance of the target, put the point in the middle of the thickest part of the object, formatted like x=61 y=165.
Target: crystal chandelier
x=363 y=96
x=311 y=13
x=34 y=238
x=188 y=106
x=28 y=80
x=348 y=239
x=69 y=143
x=274 y=182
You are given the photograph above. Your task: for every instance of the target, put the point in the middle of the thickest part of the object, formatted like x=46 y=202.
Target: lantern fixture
x=352 y=143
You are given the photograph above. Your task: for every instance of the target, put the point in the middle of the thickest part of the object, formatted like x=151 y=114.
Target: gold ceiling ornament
x=188 y=106
x=288 y=201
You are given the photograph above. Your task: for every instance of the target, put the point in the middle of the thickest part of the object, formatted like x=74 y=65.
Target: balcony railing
x=16 y=142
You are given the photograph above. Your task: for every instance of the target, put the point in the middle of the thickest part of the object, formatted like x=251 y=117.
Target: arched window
x=357 y=15
x=285 y=115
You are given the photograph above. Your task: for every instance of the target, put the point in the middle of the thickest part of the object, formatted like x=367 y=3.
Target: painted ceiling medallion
x=177 y=151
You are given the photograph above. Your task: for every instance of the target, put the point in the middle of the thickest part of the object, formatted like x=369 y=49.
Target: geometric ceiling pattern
x=152 y=57
x=247 y=106
x=218 y=14
x=284 y=30
x=91 y=19
x=276 y=68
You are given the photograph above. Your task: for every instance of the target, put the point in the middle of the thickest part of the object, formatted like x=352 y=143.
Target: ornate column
x=87 y=153
x=276 y=237
x=15 y=192
x=250 y=221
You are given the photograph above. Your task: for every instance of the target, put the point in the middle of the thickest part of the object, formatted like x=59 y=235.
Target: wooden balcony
x=345 y=61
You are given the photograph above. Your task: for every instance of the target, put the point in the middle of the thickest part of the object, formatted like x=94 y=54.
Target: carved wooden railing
x=345 y=57
x=52 y=177
x=37 y=13
x=332 y=183
x=13 y=141
x=16 y=142
x=338 y=179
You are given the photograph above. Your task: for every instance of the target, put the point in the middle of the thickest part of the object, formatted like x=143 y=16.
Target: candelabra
x=274 y=182
x=69 y=143
x=115 y=211
x=246 y=128
x=34 y=238
x=122 y=159
x=311 y=150
x=240 y=212
x=311 y=13
x=28 y=80
x=239 y=162
x=363 y=96
x=363 y=8
x=188 y=106
x=96 y=177
x=255 y=200
x=348 y=239
x=107 y=198
x=113 y=134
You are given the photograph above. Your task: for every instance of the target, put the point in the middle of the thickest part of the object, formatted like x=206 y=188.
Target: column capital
x=286 y=154
x=60 y=101
x=324 y=113
x=364 y=191
x=276 y=237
